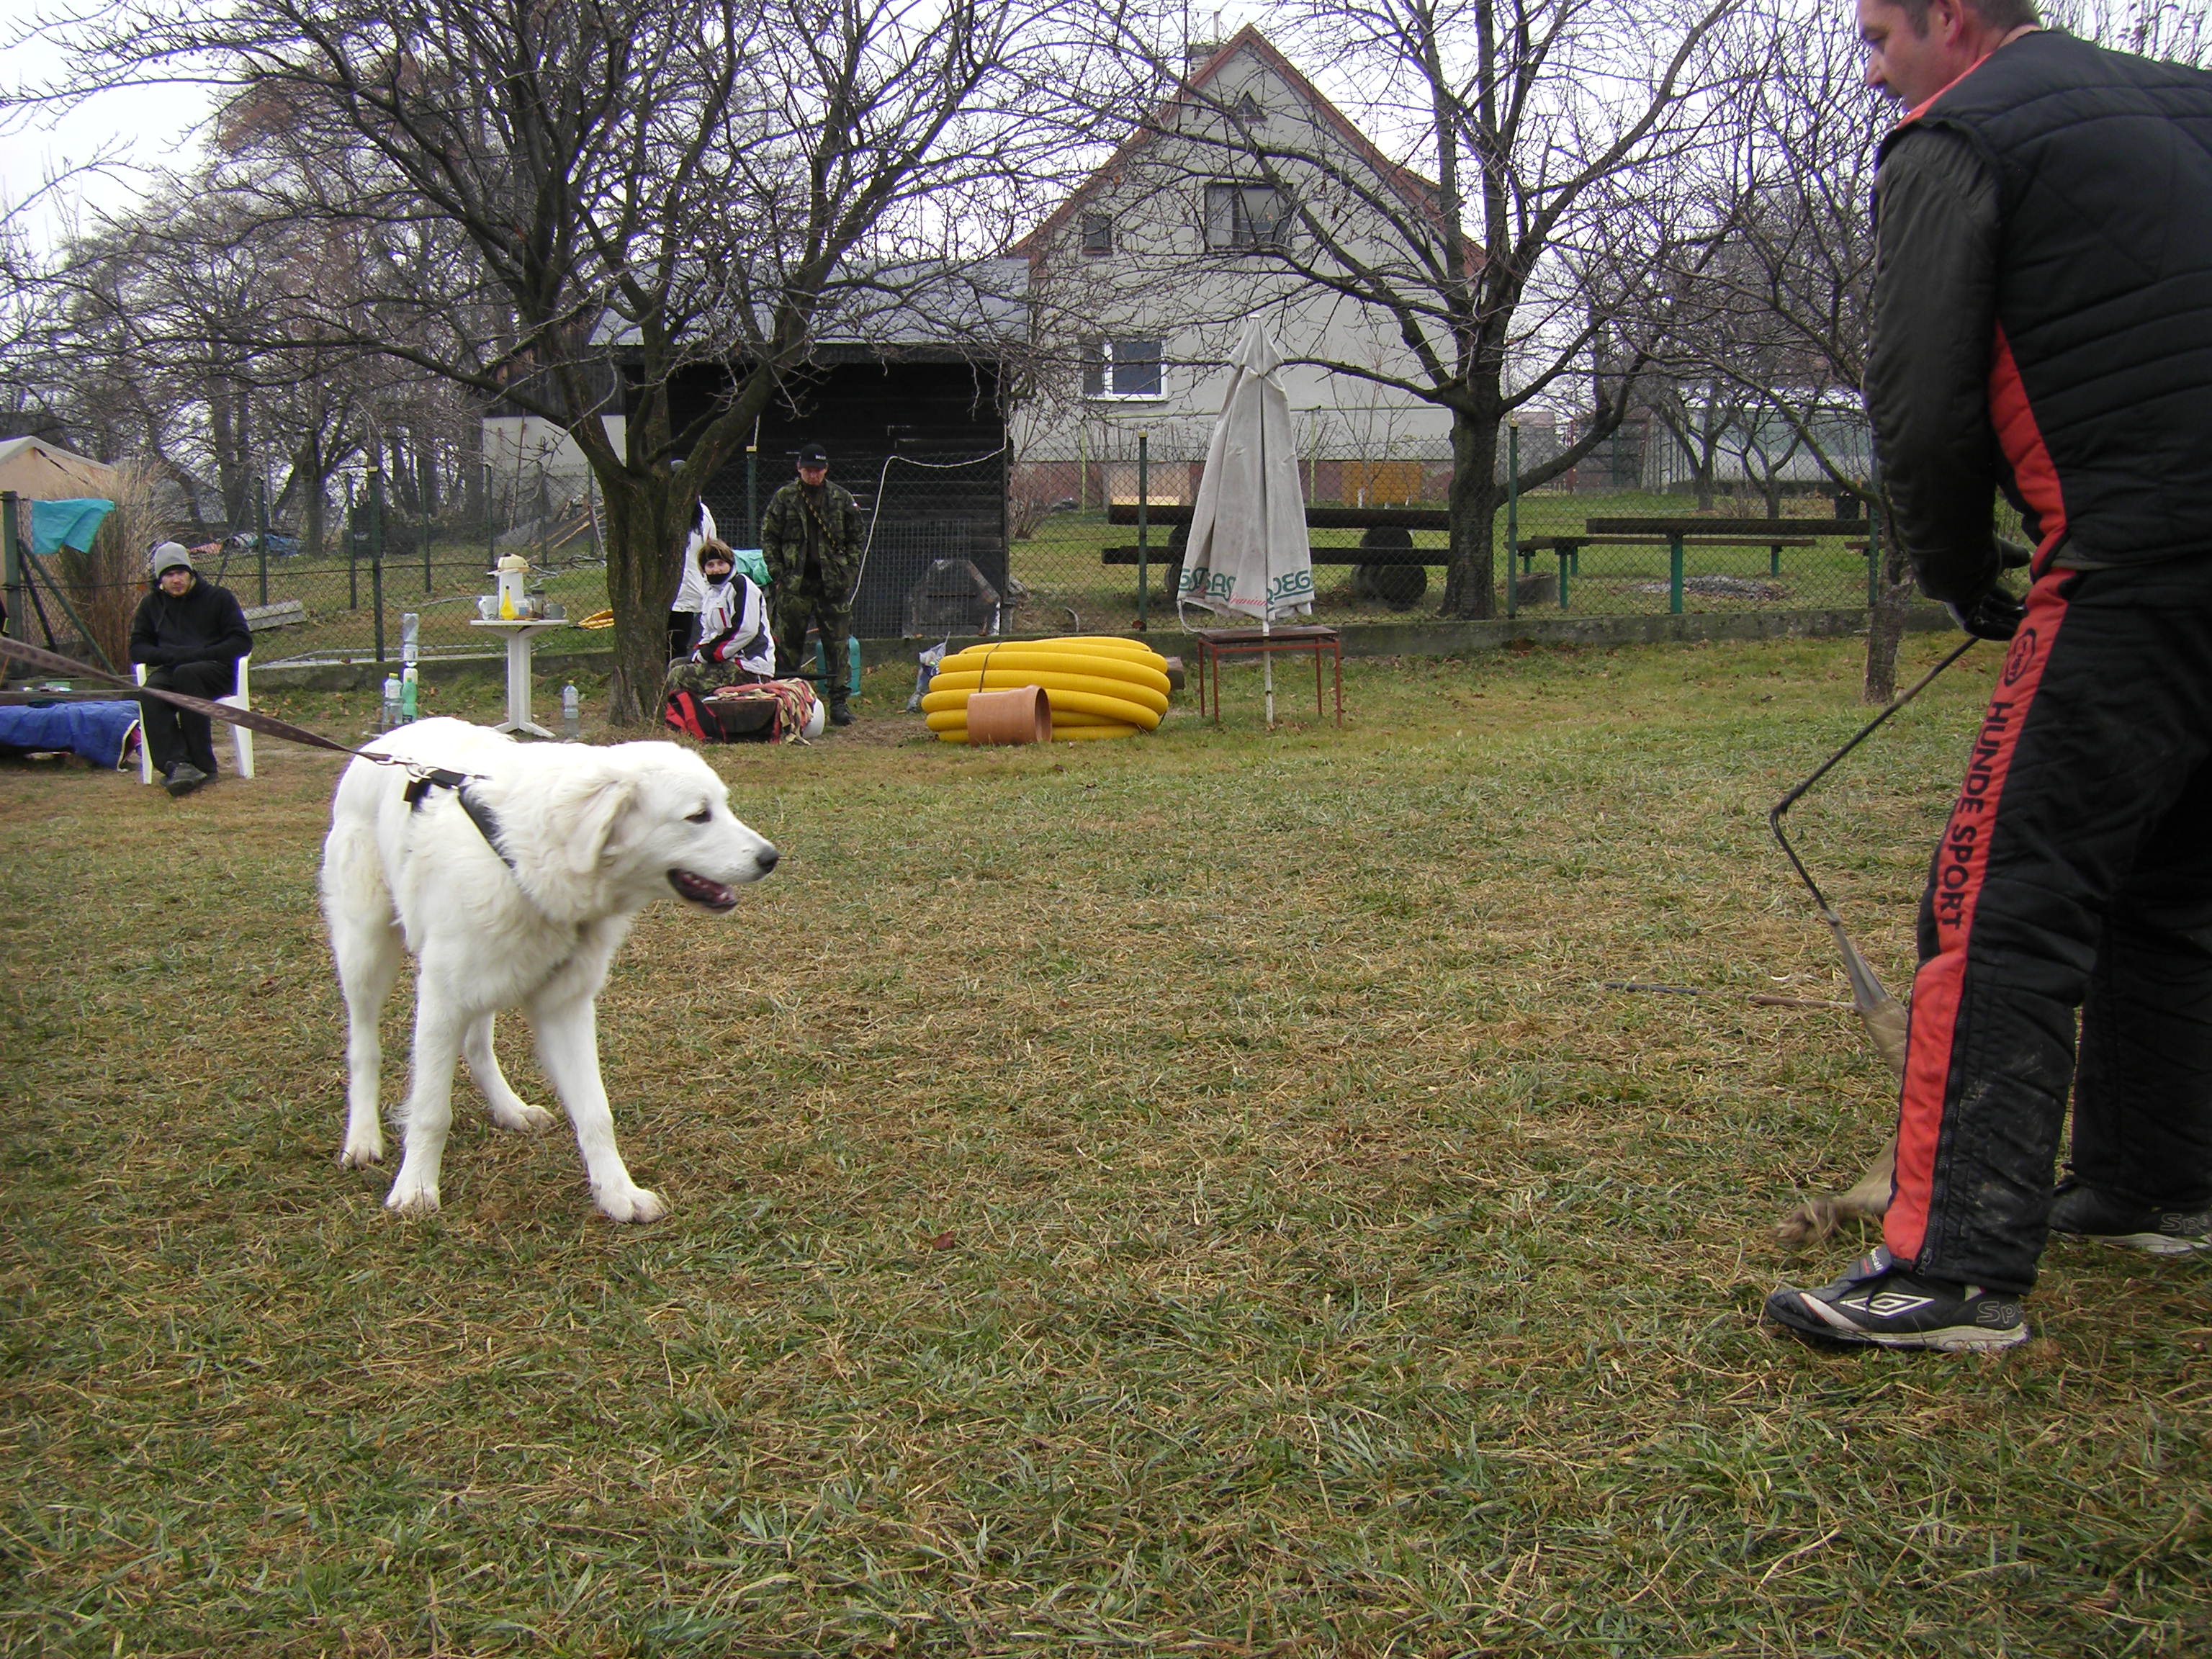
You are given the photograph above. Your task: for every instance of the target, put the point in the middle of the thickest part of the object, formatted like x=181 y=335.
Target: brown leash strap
x=252 y=720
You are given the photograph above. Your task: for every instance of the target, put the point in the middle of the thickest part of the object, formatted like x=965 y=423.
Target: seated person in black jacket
x=190 y=635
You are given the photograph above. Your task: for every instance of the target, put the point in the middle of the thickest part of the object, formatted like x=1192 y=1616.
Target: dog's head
x=637 y=820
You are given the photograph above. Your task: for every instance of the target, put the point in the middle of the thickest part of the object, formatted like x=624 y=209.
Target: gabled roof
x=1418 y=193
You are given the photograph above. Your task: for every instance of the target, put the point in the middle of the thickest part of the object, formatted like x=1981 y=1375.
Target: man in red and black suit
x=2042 y=326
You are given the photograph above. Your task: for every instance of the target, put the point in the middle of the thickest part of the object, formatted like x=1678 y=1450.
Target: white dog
x=512 y=890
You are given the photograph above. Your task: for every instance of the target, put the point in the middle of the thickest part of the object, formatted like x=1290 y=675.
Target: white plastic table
x=519 y=633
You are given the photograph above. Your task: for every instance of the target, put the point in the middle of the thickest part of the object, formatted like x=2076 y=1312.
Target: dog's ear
x=606 y=821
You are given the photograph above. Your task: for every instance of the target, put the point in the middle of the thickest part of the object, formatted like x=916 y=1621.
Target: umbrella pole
x=1268 y=670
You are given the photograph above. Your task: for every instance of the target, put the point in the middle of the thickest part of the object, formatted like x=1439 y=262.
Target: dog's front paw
x=409 y=1199
x=360 y=1154
x=632 y=1204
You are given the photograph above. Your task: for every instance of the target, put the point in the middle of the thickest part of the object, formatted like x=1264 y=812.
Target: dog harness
x=486 y=821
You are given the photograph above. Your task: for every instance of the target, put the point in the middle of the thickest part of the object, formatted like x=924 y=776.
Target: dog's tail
x=355 y=892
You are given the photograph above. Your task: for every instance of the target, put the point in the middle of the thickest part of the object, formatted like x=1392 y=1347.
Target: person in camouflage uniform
x=813 y=537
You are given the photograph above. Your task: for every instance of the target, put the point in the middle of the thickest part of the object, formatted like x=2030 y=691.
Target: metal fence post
x=11 y=568
x=353 y=548
x=1144 y=512
x=752 y=490
x=261 y=536
x=376 y=550
x=1513 y=516
x=1674 y=574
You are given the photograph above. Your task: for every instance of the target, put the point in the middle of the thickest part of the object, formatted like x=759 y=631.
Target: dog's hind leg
x=568 y=1048
x=368 y=949
x=509 y=1109
x=438 y=1028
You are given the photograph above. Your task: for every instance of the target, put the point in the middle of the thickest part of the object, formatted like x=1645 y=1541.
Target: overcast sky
x=152 y=127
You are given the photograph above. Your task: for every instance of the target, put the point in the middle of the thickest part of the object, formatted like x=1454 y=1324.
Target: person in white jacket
x=690 y=586
x=735 y=646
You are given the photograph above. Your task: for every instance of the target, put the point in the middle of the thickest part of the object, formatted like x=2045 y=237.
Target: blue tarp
x=96 y=731
x=56 y=524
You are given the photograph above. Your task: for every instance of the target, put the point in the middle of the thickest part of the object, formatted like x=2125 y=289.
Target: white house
x=1142 y=280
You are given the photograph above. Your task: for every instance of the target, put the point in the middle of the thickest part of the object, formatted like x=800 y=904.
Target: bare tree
x=1777 y=306
x=627 y=218
x=1520 y=272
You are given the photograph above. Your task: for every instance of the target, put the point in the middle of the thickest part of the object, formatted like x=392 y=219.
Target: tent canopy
x=41 y=472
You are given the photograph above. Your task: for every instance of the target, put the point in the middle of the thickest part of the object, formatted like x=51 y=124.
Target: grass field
x=1188 y=1195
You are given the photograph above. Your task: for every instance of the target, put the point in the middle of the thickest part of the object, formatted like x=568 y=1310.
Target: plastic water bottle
x=390 y=701
x=572 y=725
x=407 y=694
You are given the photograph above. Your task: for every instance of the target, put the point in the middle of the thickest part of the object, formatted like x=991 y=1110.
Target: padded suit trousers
x=2073 y=881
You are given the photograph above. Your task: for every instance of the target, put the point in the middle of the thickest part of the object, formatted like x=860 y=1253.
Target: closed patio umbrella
x=1247 y=553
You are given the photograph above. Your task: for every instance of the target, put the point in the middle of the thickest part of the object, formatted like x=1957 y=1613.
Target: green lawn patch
x=1184 y=1195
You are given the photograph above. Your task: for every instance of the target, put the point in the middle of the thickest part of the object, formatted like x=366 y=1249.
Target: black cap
x=813 y=455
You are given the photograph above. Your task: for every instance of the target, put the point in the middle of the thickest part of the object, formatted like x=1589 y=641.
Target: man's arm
x=236 y=638
x=144 y=647
x=1928 y=370
x=775 y=532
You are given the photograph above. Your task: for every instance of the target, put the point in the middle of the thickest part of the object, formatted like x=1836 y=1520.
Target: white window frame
x=1104 y=363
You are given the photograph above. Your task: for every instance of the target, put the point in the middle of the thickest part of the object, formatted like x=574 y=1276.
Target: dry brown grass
x=1186 y=1195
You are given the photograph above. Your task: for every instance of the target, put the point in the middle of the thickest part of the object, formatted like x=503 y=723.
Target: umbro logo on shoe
x=1886 y=1304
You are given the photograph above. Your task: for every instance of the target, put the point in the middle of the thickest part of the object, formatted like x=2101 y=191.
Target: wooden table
x=1216 y=643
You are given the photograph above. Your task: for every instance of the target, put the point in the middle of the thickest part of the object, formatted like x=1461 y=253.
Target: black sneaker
x=2081 y=1211
x=1879 y=1302
x=183 y=778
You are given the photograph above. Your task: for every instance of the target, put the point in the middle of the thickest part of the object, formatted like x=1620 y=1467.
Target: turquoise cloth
x=750 y=561
x=56 y=524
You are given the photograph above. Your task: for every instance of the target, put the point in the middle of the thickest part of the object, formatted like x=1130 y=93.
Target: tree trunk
x=1886 y=627
x=643 y=540
x=312 y=476
x=1470 y=584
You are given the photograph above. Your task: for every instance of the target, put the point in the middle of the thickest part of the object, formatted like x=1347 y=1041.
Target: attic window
x=1250 y=112
x=1097 y=234
x=1247 y=218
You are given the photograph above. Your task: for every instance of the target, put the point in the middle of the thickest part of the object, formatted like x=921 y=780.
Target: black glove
x=1994 y=615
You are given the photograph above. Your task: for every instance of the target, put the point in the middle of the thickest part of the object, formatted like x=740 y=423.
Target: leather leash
x=422 y=779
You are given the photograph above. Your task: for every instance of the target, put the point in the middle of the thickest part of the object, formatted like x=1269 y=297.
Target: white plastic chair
x=241 y=739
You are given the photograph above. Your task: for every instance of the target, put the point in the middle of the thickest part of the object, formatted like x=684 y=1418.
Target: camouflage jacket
x=826 y=522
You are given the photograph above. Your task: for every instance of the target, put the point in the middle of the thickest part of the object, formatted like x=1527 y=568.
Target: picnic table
x=1678 y=535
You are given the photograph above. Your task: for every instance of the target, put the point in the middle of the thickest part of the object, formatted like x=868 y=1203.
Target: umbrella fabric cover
x=1247 y=553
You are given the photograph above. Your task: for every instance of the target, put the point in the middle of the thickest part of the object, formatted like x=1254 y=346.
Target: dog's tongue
x=698 y=889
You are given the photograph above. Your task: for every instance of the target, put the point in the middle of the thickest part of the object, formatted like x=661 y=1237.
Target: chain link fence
x=1074 y=557
x=967 y=544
